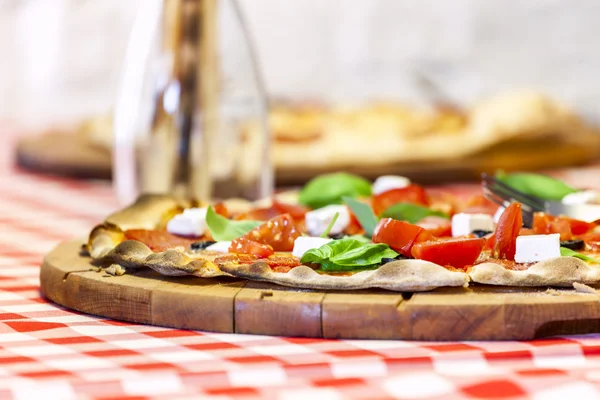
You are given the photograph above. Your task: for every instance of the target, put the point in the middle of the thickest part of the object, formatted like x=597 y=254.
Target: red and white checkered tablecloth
x=48 y=352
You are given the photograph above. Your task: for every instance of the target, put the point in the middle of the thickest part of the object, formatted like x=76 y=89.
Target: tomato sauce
x=508 y=264
x=159 y=241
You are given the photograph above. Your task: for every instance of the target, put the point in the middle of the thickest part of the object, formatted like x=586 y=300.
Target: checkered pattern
x=53 y=353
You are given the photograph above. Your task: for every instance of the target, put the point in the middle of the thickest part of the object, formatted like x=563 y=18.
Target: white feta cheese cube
x=192 y=222
x=318 y=220
x=582 y=197
x=304 y=243
x=389 y=182
x=464 y=223
x=532 y=248
x=221 y=247
x=498 y=213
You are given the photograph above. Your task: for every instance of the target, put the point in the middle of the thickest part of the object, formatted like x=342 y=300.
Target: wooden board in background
x=68 y=154
x=236 y=306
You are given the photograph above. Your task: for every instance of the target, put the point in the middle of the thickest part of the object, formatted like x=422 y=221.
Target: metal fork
x=502 y=194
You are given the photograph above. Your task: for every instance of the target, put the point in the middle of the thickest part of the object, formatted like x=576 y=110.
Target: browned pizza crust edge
x=106 y=241
x=560 y=271
x=147 y=212
x=401 y=275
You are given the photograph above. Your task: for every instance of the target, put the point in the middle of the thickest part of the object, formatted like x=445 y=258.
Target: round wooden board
x=74 y=155
x=236 y=306
x=64 y=154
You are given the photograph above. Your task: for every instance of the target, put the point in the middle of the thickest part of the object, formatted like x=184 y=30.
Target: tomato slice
x=411 y=194
x=526 y=231
x=400 y=235
x=507 y=230
x=244 y=245
x=259 y=214
x=490 y=241
x=443 y=201
x=158 y=240
x=221 y=209
x=277 y=234
x=354 y=227
x=297 y=212
x=457 y=253
x=579 y=227
x=437 y=226
x=544 y=224
x=478 y=204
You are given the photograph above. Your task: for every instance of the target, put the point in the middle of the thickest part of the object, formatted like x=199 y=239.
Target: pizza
x=343 y=232
x=522 y=128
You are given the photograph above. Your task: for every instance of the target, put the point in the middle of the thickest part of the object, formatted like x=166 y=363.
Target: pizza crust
x=147 y=212
x=134 y=254
x=560 y=271
x=401 y=275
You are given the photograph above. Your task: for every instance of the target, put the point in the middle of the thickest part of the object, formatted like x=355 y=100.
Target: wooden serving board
x=236 y=306
x=71 y=155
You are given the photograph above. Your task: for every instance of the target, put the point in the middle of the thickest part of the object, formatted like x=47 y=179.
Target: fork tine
x=526 y=211
x=504 y=195
x=503 y=190
x=530 y=199
x=490 y=195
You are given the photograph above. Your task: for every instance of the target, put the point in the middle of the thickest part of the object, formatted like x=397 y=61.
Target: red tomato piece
x=277 y=234
x=591 y=237
x=240 y=258
x=526 y=231
x=541 y=223
x=221 y=209
x=544 y=224
x=479 y=204
x=507 y=230
x=579 y=227
x=354 y=227
x=443 y=201
x=296 y=211
x=158 y=240
x=437 y=226
x=277 y=208
x=282 y=261
x=411 y=194
x=400 y=235
x=457 y=253
x=490 y=241
x=244 y=245
x=258 y=214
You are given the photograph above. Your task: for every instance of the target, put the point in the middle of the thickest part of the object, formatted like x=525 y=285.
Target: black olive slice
x=398 y=257
x=480 y=233
x=337 y=236
x=202 y=244
x=576 y=244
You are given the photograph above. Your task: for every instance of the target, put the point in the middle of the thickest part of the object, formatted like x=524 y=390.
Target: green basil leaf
x=333 y=267
x=348 y=255
x=409 y=212
x=364 y=213
x=537 y=185
x=223 y=229
x=566 y=252
x=330 y=188
x=360 y=238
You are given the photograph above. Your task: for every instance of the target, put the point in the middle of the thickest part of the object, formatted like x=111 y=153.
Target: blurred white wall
x=61 y=58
